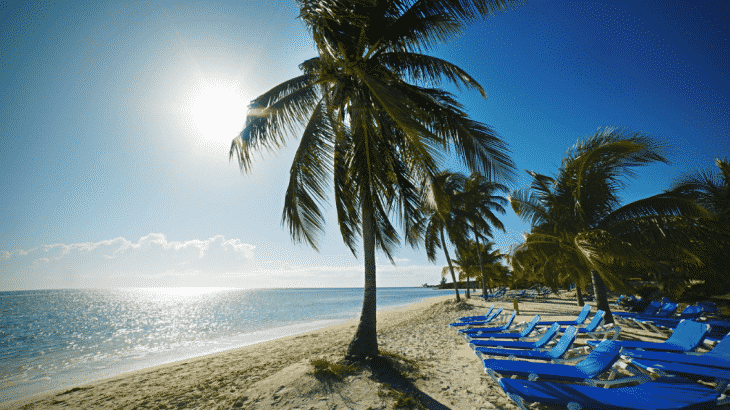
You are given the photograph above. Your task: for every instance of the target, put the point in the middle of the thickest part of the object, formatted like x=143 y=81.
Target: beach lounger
x=664 y=326
x=512 y=344
x=665 y=310
x=596 y=363
x=555 y=354
x=652 y=308
x=479 y=330
x=582 y=317
x=718 y=329
x=665 y=393
x=521 y=335
x=476 y=318
x=595 y=330
x=687 y=337
x=492 y=316
x=708 y=307
x=690 y=371
x=719 y=356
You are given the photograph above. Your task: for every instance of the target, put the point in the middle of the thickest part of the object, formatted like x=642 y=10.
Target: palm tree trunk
x=599 y=289
x=468 y=296
x=481 y=267
x=451 y=267
x=579 y=295
x=365 y=342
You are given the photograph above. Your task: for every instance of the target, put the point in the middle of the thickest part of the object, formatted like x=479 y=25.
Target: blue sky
x=116 y=121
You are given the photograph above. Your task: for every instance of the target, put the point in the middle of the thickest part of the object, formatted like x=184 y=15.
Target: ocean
x=53 y=339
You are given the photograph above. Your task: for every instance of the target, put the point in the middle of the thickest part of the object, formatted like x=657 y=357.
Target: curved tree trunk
x=481 y=266
x=451 y=267
x=599 y=289
x=365 y=342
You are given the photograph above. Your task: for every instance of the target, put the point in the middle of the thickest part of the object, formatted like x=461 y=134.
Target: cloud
x=154 y=261
x=99 y=263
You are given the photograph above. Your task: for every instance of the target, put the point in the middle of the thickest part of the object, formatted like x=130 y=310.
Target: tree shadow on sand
x=390 y=372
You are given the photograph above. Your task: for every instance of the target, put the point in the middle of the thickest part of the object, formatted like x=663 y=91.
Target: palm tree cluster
x=458 y=207
x=580 y=231
x=374 y=125
x=481 y=262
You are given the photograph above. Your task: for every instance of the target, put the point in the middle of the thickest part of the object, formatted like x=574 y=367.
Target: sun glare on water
x=215 y=111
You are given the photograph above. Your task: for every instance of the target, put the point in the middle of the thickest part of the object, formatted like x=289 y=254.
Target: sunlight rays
x=216 y=110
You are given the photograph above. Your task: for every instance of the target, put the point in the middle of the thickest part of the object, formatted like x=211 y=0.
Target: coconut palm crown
x=578 y=219
x=374 y=125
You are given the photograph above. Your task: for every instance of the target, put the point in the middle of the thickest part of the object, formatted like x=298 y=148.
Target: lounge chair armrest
x=641 y=378
x=611 y=327
x=570 y=360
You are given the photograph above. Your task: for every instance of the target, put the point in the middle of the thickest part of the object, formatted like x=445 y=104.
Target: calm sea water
x=52 y=339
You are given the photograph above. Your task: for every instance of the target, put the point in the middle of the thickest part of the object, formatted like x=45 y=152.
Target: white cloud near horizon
x=98 y=263
x=154 y=261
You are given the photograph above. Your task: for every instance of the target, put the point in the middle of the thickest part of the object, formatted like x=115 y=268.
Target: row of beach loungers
x=535 y=293
x=531 y=366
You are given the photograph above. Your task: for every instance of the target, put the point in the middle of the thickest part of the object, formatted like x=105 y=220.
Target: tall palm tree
x=440 y=198
x=373 y=124
x=479 y=201
x=578 y=214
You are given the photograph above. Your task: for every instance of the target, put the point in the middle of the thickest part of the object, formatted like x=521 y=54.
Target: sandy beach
x=439 y=368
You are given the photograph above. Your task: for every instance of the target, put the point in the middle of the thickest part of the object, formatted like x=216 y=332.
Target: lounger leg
x=518 y=400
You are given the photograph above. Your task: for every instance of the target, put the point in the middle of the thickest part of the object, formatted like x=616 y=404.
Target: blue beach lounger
x=476 y=318
x=662 y=325
x=512 y=344
x=582 y=317
x=521 y=335
x=665 y=310
x=687 y=337
x=487 y=320
x=594 y=330
x=719 y=376
x=652 y=308
x=719 y=356
x=665 y=393
x=554 y=354
x=479 y=330
x=596 y=363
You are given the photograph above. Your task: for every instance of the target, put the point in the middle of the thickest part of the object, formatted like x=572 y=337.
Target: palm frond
x=528 y=207
x=267 y=126
x=428 y=70
x=309 y=171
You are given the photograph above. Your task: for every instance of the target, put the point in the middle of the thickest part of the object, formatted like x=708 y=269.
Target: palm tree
x=440 y=198
x=711 y=191
x=466 y=262
x=577 y=217
x=479 y=202
x=373 y=123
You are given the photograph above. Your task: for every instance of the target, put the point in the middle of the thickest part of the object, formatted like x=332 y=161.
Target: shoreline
x=271 y=335
x=277 y=374
x=18 y=387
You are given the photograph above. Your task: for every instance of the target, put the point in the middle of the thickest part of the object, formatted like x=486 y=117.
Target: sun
x=215 y=111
